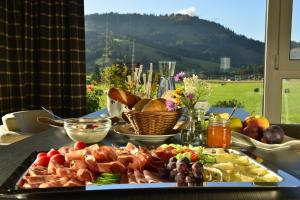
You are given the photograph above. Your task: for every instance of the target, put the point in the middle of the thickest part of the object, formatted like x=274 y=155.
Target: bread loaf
x=140 y=104
x=156 y=105
x=124 y=97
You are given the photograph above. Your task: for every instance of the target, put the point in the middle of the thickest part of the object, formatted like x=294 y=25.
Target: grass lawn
x=290 y=101
x=241 y=91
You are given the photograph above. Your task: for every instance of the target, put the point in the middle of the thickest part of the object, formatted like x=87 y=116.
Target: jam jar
x=218 y=133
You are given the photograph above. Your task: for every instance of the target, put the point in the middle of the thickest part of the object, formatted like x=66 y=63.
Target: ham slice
x=78 y=164
x=75 y=155
x=66 y=172
x=152 y=177
x=130 y=147
x=52 y=167
x=55 y=183
x=139 y=177
x=110 y=153
x=28 y=186
x=38 y=170
x=139 y=161
x=91 y=163
x=114 y=167
x=125 y=159
x=33 y=180
x=124 y=178
x=92 y=148
x=100 y=156
x=131 y=178
x=65 y=150
x=73 y=183
x=84 y=175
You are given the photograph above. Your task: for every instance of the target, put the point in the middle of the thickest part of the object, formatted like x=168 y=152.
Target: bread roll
x=156 y=105
x=124 y=97
x=140 y=105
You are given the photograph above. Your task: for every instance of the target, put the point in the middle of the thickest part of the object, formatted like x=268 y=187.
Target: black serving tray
x=10 y=185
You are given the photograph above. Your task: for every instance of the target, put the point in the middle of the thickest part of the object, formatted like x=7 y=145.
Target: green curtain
x=42 y=56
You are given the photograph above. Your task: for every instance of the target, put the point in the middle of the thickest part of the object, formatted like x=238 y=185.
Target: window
x=221 y=41
x=282 y=63
x=295 y=31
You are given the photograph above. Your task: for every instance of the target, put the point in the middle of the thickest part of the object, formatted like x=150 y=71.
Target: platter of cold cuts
x=97 y=167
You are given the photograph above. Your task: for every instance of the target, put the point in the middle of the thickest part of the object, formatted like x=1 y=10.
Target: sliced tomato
x=52 y=152
x=58 y=158
x=194 y=157
x=164 y=155
x=186 y=150
x=42 y=161
x=42 y=154
x=79 y=145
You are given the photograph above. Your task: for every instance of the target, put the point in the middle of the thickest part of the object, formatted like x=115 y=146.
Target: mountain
x=195 y=44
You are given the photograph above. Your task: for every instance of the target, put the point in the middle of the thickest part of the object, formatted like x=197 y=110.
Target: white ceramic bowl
x=88 y=130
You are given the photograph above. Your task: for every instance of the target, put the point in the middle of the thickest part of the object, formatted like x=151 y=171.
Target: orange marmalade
x=218 y=133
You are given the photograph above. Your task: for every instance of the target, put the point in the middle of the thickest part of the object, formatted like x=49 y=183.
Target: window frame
x=278 y=64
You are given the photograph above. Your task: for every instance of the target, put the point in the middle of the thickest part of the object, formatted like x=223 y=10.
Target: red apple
x=253 y=131
x=258 y=120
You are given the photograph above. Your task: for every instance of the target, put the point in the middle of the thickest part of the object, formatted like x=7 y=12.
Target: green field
x=241 y=91
x=291 y=101
x=253 y=101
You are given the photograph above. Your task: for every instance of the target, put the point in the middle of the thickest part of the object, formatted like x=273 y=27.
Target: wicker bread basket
x=152 y=123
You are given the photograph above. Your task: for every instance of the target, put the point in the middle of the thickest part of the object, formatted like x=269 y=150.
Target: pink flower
x=171 y=106
x=179 y=76
x=190 y=96
x=90 y=88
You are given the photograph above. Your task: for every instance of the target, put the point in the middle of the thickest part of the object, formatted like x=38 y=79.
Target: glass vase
x=166 y=72
x=194 y=132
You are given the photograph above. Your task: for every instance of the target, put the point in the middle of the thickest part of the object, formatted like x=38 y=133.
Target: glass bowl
x=88 y=130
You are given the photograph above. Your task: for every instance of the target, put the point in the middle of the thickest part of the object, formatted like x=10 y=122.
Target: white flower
x=191 y=84
x=196 y=86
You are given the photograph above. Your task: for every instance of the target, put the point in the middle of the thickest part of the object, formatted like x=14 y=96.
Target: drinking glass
x=166 y=72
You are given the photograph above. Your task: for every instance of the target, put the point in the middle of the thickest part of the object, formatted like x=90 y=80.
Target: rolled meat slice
x=74 y=183
x=131 y=178
x=55 y=183
x=152 y=177
x=125 y=159
x=78 y=164
x=92 y=148
x=65 y=149
x=84 y=175
x=66 y=172
x=131 y=147
x=75 y=155
x=114 y=166
x=91 y=163
x=139 y=177
x=38 y=170
x=33 y=180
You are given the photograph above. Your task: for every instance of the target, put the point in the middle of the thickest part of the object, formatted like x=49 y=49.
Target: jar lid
x=218 y=121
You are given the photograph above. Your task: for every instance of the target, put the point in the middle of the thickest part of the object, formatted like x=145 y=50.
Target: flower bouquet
x=192 y=89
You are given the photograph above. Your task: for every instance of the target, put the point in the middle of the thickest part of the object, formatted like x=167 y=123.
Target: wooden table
x=13 y=155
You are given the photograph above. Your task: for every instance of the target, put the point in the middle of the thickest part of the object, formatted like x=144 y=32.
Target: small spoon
x=51 y=122
x=48 y=111
x=232 y=112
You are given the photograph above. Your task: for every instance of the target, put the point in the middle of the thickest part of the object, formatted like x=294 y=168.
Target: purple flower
x=190 y=96
x=179 y=76
x=171 y=106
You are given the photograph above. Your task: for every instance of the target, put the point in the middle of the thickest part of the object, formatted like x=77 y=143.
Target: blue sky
x=246 y=17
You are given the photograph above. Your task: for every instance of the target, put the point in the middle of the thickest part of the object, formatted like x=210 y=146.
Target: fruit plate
x=127 y=131
x=244 y=140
